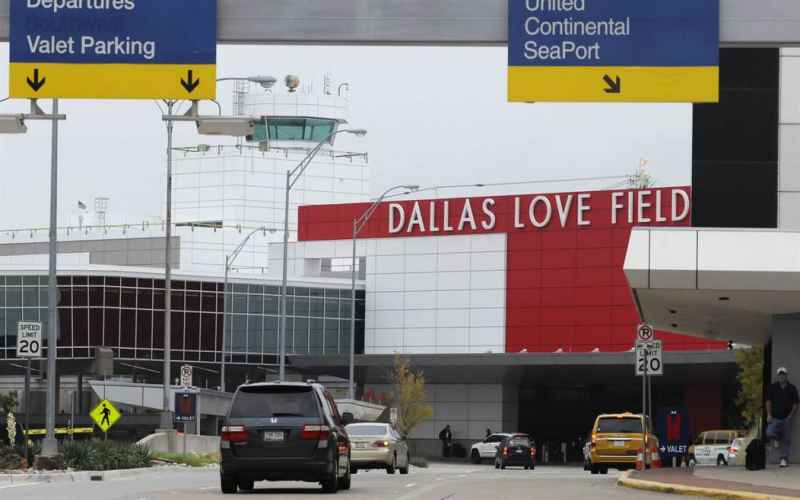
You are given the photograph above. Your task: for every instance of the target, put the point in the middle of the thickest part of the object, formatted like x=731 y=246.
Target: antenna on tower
x=642 y=178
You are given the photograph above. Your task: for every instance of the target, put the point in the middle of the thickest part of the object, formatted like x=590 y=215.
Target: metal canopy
x=441 y=22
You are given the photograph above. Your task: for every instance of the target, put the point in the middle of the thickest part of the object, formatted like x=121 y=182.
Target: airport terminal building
x=521 y=309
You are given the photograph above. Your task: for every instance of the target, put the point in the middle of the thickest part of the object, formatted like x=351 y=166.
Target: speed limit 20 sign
x=29 y=339
x=649 y=357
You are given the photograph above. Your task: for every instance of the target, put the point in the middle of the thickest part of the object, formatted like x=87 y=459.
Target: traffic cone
x=640 y=459
x=655 y=463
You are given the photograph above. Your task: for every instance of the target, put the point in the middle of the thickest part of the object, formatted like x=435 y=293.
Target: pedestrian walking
x=782 y=404
x=446 y=437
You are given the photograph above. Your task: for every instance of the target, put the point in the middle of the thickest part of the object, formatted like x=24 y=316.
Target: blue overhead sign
x=613 y=50
x=113 y=48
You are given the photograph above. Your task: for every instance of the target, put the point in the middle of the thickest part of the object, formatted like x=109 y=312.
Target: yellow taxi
x=616 y=441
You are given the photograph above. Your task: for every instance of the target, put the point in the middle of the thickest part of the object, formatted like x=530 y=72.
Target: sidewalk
x=725 y=482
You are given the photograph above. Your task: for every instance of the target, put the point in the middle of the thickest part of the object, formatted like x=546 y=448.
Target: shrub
x=9 y=458
x=105 y=455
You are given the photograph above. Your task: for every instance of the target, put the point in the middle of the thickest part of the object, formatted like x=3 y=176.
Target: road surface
x=439 y=482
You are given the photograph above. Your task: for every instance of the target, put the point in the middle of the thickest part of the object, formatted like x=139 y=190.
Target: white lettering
x=643 y=205
x=583 y=207
x=615 y=206
x=491 y=219
x=416 y=219
x=659 y=216
x=447 y=226
x=467 y=216
x=432 y=219
x=680 y=193
x=396 y=209
x=517 y=223
x=630 y=207
x=563 y=211
x=548 y=211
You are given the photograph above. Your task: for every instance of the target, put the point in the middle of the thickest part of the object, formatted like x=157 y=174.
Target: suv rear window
x=275 y=401
x=519 y=441
x=619 y=425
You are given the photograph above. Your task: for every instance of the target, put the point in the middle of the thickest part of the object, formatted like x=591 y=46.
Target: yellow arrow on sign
x=105 y=415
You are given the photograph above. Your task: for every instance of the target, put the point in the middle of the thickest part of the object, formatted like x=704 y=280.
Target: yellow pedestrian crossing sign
x=105 y=415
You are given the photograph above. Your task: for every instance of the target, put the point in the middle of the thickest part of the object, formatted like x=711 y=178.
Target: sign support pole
x=27 y=405
x=50 y=444
x=644 y=408
x=166 y=415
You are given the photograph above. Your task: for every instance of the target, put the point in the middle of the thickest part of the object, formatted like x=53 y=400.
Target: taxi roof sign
x=105 y=415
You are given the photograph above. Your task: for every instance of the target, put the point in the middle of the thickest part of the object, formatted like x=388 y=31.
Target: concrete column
x=786 y=352
x=789 y=140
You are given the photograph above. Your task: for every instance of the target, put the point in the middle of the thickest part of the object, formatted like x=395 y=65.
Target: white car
x=737 y=453
x=487 y=449
x=712 y=447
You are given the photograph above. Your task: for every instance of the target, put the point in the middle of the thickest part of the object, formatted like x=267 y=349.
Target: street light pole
x=292 y=177
x=15 y=124
x=358 y=225
x=166 y=414
x=229 y=260
x=50 y=443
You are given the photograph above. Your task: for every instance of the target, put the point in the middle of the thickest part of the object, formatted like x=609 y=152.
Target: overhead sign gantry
x=113 y=49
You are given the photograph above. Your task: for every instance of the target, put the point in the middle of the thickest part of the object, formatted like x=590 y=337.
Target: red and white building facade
x=494 y=297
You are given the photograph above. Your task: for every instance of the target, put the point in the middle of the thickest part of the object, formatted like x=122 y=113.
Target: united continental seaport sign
x=113 y=49
x=613 y=50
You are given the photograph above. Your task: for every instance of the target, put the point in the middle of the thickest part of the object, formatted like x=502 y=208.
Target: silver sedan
x=377 y=446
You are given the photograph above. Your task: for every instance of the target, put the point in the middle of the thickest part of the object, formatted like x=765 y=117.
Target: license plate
x=273 y=436
x=618 y=444
x=360 y=445
x=520 y=451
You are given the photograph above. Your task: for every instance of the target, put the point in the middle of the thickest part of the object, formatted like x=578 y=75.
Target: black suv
x=284 y=431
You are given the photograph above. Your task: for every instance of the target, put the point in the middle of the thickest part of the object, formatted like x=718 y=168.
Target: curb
x=74 y=477
x=680 y=489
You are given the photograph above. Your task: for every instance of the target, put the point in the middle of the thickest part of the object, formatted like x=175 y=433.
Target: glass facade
x=127 y=314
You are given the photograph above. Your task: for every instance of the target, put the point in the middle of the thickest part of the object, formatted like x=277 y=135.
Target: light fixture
x=412 y=187
x=228 y=126
x=266 y=81
x=358 y=132
x=12 y=124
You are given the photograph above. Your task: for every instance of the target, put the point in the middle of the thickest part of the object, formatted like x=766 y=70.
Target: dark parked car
x=284 y=431
x=515 y=450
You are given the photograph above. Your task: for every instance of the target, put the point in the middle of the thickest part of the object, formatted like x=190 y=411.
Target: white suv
x=487 y=448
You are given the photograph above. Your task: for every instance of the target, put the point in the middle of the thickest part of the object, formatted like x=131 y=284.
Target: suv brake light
x=315 y=432
x=234 y=434
x=505 y=452
x=533 y=451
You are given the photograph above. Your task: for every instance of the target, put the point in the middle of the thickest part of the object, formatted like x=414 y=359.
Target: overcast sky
x=436 y=116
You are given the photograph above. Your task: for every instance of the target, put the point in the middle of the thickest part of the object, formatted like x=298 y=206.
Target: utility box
x=103 y=365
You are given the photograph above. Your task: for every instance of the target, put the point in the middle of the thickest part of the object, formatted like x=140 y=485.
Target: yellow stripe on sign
x=113 y=81
x=636 y=84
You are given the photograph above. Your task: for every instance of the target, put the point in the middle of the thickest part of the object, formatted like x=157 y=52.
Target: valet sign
x=113 y=49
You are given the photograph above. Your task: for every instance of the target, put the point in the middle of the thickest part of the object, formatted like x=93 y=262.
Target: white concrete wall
x=443 y=294
x=469 y=409
x=789 y=147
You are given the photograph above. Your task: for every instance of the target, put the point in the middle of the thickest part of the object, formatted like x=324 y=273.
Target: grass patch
x=190 y=459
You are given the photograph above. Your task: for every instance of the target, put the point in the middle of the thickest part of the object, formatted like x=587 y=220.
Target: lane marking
x=411 y=485
x=18 y=485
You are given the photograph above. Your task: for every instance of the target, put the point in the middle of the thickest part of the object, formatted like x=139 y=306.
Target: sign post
x=29 y=346
x=613 y=50
x=121 y=49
